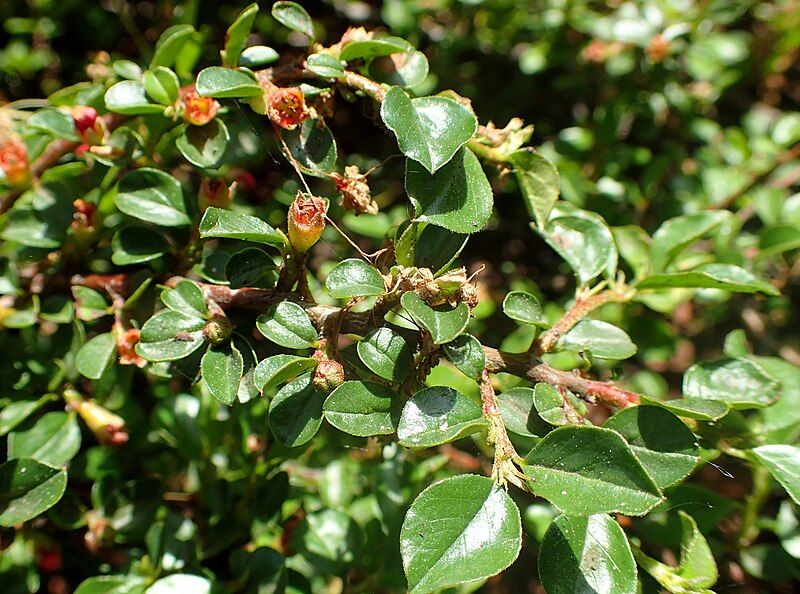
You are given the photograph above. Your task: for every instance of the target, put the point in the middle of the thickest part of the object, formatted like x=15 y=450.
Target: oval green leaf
x=386 y=354
x=288 y=325
x=295 y=413
x=153 y=196
x=27 y=489
x=354 y=278
x=438 y=415
x=363 y=409
x=443 y=324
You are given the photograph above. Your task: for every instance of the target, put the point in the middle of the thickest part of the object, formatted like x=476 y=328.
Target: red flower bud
x=91 y=128
x=83 y=217
x=14 y=162
x=197 y=110
x=49 y=560
x=213 y=192
x=306 y=222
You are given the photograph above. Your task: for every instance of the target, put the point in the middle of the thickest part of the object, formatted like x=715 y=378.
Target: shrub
x=250 y=345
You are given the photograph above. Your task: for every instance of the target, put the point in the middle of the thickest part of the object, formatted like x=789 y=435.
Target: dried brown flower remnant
x=306 y=222
x=196 y=110
x=356 y=195
x=285 y=106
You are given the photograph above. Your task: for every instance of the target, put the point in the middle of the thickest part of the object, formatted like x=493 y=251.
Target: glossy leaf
x=539 y=183
x=96 y=355
x=444 y=325
x=601 y=339
x=180 y=583
x=288 y=325
x=585 y=243
x=257 y=56
x=136 y=245
x=226 y=83
x=663 y=444
x=295 y=413
x=11 y=415
x=313 y=145
x=169 y=336
x=170 y=44
x=247 y=267
x=354 y=278
x=27 y=489
x=162 y=85
x=325 y=65
x=278 y=369
x=187 y=298
x=407 y=69
x=549 y=404
x=368 y=49
x=586 y=554
x=783 y=463
x=112 y=584
x=740 y=383
x=153 y=196
x=466 y=353
x=53 y=440
x=457 y=196
x=222 y=367
x=53 y=122
x=386 y=354
x=702 y=409
x=438 y=415
x=228 y=224
x=677 y=233
x=460 y=529
x=89 y=304
x=429 y=130
x=363 y=409
x=725 y=277
x=128 y=97
x=524 y=307
x=519 y=413
x=237 y=34
x=429 y=246
x=204 y=146
x=590 y=470
x=293 y=16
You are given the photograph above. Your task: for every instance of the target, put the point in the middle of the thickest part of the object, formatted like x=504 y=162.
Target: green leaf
x=96 y=355
x=162 y=85
x=89 y=304
x=386 y=354
x=170 y=44
x=313 y=145
x=457 y=197
x=16 y=412
x=444 y=325
x=429 y=246
x=28 y=488
x=524 y=307
x=169 y=336
x=601 y=339
x=226 y=83
x=549 y=404
x=585 y=243
x=236 y=36
x=181 y=583
x=363 y=409
x=783 y=463
x=257 y=56
x=204 y=146
x=368 y=49
x=701 y=409
x=218 y=222
x=247 y=267
x=53 y=122
x=539 y=182
x=460 y=529
x=403 y=70
x=187 y=298
x=40 y=217
x=222 y=367
x=590 y=470
x=677 y=233
x=586 y=554
x=519 y=414
x=325 y=65
x=429 y=130
x=128 y=98
x=466 y=353
x=288 y=325
x=354 y=278
x=293 y=16
x=661 y=441
x=112 y=584
x=740 y=383
x=53 y=440
x=135 y=244
x=295 y=413
x=153 y=196
x=773 y=240
x=438 y=415
x=697 y=566
x=726 y=277
x=278 y=369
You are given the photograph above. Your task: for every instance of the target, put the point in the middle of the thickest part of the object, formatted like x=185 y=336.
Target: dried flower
x=328 y=375
x=285 y=106
x=356 y=195
x=306 y=222
x=126 y=348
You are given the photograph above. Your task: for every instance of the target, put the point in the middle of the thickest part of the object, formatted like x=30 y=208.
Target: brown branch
x=54 y=152
x=579 y=310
